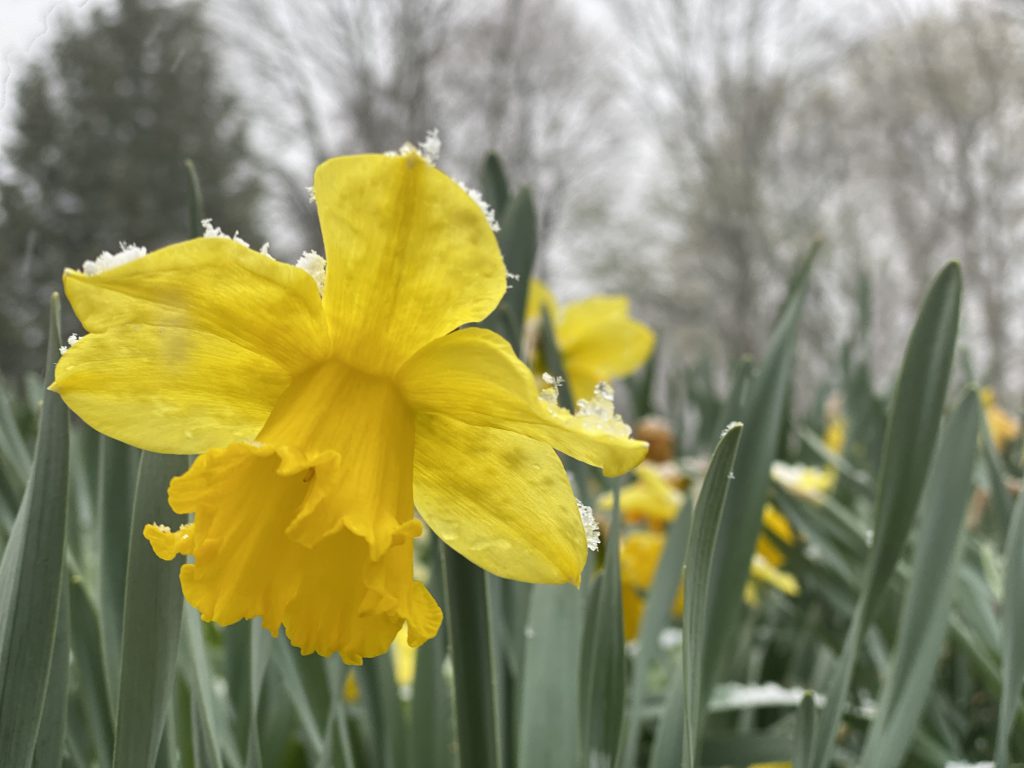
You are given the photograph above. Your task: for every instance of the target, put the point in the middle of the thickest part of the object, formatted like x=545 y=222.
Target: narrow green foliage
x=478 y=716
x=548 y=727
x=32 y=576
x=655 y=618
x=200 y=677
x=50 y=741
x=602 y=656
x=763 y=416
x=118 y=469
x=925 y=613
x=700 y=551
x=805 y=725
x=152 y=622
x=910 y=439
x=1013 y=635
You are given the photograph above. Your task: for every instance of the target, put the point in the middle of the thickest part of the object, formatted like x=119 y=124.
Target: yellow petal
x=599 y=341
x=474 y=376
x=168 y=544
x=410 y=257
x=189 y=347
x=501 y=500
x=633 y=604
x=362 y=432
x=331 y=598
x=650 y=497
x=538 y=299
x=766 y=573
x=640 y=552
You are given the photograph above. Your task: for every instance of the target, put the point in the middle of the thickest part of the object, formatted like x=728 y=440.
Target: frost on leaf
x=108 y=260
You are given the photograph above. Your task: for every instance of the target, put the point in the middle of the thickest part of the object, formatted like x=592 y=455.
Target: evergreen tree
x=105 y=121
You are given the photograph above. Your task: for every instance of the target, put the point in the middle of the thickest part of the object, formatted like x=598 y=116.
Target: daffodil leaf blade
x=118 y=469
x=475 y=664
x=914 y=415
x=494 y=185
x=701 y=547
x=206 y=744
x=602 y=655
x=655 y=619
x=32 y=575
x=764 y=412
x=548 y=705
x=1012 y=636
x=152 y=622
x=927 y=601
x=50 y=743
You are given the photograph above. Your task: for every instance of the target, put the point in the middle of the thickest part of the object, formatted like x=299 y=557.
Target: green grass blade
x=1013 y=635
x=926 y=605
x=548 y=706
x=602 y=656
x=32 y=575
x=805 y=721
x=475 y=668
x=118 y=469
x=655 y=618
x=200 y=684
x=763 y=418
x=152 y=621
x=50 y=742
x=377 y=684
x=97 y=713
x=700 y=553
x=909 y=442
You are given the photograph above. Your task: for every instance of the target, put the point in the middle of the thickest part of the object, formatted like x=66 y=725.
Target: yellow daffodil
x=651 y=498
x=641 y=549
x=639 y=553
x=1003 y=426
x=774 y=526
x=322 y=420
x=805 y=481
x=597 y=337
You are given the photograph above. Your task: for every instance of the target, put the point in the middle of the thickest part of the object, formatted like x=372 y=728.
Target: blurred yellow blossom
x=1003 y=426
x=805 y=481
x=328 y=397
x=597 y=337
x=650 y=498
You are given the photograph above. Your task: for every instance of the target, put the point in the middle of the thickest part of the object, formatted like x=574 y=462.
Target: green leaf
x=50 y=743
x=32 y=575
x=909 y=442
x=97 y=713
x=432 y=716
x=118 y=469
x=763 y=417
x=152 y=621
x=377 y=684
x=926 y=604
x=806 y=719
x=700 y=552
x=655 y=618
x=494 y=186
x=1013 y=635
x=549 y=703
x=200 y=683
x=602 y=656
x=475 y=664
